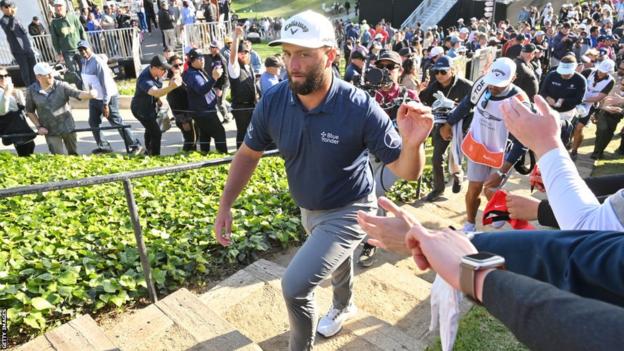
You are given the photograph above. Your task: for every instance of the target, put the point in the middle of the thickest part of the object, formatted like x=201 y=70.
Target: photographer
x=384 y=79
x=455 y=88
x=562 y=43
x=178 y=102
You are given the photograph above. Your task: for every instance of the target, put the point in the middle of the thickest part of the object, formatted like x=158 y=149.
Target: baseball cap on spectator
x=227 y=40
x=540 y=32
x=462 y=49
x=406 y=51
x=43 y=69
x=609 y=37
x=58 y=3
x=566 y=25
x=473 y=19
x=464 y=30
x=243 y=47
x=438 y=50
x=601 y=38
x=308 y=29
x=378 y=36
x=357 y=55
x=520 y=37
x=194 y=54
x=7 y=3
x=84 y=44
x=214 y=44
x=443 y=63
x=160 y=62
x=454 y=39
x=390 y=56
x=272 y=61
x=501 y=73
x=606 y=66
x=529 y=48
x=603 y=51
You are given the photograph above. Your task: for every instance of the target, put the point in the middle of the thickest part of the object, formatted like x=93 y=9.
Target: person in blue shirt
x=256 y=60
x=202 y=100
x=324 y=129
x=271 y=75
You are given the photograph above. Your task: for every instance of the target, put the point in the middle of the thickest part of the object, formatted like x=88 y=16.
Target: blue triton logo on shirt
x=250 y=131
x=330 y=138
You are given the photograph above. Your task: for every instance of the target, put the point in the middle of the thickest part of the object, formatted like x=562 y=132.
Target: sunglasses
x=2 y=76
x=177 y=65
x=440 y=71
x=389 y=66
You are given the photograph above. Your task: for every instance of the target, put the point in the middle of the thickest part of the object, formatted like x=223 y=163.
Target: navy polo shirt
x=143 y=105
x=325 y=150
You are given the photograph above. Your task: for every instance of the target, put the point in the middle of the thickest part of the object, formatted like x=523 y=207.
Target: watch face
x=480 y=256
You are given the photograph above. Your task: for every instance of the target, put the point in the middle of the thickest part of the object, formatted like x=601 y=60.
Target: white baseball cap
x=606 y=66
x=59 y=2
x=308 y=29
x=566 y=68
x=501 y=73
x=43 y=69
x=435 y=51
x=464 y=30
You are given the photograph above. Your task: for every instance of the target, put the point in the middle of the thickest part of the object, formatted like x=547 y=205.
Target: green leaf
x=109 y=286
x=39 y=303
x=119 y=299
x=68 y=278
x=35 y=320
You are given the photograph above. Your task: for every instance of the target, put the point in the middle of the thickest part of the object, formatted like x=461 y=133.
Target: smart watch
x=470 y=264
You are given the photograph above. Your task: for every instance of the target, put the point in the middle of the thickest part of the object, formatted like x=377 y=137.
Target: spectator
x=213 y=60
x=271 y=74
x=150 y=15
x=66 y=31
x=609 y=114
x=256 y=60
x=454 y=88
x=599 y=84
x=36 y=28
x=146 y=100
x=187 y=13
x=409 y=74
x=526 y=78
x=178 y=101
x=353 y=73
x=12 y=119
x=167 y=25
x=137 y=7
x=97 y=75
x=47 y=106
x=243 y=84
x=202 y=100
x=210 y=11
x=19 y=43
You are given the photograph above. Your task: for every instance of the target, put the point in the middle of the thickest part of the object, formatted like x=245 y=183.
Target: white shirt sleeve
x=572 y=202
x=234 y=69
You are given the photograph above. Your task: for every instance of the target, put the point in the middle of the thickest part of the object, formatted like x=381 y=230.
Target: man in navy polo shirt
x=324 y=129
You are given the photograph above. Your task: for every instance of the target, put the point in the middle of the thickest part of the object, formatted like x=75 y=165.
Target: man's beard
x=312 y=82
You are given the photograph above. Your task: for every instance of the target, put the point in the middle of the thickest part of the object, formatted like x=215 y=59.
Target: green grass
x=478 y=330
x=274 y=8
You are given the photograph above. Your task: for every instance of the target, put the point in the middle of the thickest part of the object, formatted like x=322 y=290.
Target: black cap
x=242 y=46
x=7 y=3
x=406 y=51
x=194 y=54
x=520 y=37
x=567 y=25
x=35 y=18
x=357 y=55
x=272 y=61
x=159 y=61
x=390 y=56
x=529 y=48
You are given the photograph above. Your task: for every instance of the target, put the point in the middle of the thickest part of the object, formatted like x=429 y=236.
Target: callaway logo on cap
x=502 y=72
x=308 y=29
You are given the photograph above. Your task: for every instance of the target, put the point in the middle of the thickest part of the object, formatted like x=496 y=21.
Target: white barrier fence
x=200 y=34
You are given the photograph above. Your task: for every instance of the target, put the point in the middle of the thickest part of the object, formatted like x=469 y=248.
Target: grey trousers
x=333 y=236
x=55 y=143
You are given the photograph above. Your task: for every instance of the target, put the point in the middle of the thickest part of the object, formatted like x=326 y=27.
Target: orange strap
x=478 y=153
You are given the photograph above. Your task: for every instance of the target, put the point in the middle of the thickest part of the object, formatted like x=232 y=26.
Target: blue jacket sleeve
x=529 y=308
x=461 y=111
x=196 y=82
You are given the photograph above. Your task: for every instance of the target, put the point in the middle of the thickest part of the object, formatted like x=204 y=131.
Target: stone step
x=81 y=333
x=241 y=299
x=180 y=321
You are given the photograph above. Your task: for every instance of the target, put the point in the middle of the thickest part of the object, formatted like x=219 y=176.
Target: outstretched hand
x=415 y=122
x=387 y=232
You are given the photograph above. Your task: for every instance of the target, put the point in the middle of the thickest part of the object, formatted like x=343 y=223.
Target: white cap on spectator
x=438 y=50
x=308 y=29
x=464 y=30
x=501 y=73
x=58 y=2
x=43 y=69
x=606 y=66
x=566 y=68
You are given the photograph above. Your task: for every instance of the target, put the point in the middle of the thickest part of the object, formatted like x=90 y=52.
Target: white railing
x=429 y=13
x=200 y=34
x=116 y=44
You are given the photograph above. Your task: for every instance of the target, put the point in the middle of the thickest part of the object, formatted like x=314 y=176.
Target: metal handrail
x=200 y=34
x=132 y=208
